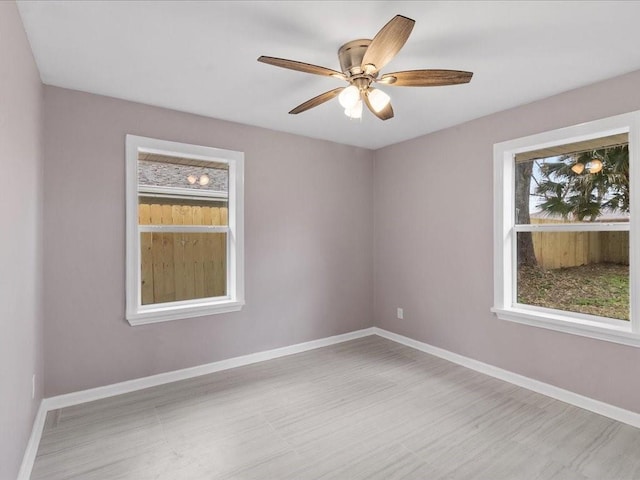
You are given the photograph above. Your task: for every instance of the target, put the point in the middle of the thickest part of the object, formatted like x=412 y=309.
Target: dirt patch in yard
x=597 y=289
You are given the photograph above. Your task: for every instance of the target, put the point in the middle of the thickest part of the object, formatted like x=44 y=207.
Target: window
x=565 y=231
x=184 y=230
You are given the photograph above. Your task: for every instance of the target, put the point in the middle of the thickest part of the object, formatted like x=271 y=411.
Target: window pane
x=182 y=266
x=585 y=272
x=173 y=211
x=574 y=186
x=167 y=171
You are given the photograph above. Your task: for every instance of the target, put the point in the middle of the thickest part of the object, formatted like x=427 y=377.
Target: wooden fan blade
x=426 y=78
x=387 y=43
x=385 y=114
x=315 y=101
x=301 y=67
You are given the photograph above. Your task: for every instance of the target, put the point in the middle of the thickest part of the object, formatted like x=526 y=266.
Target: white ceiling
x=200 y=57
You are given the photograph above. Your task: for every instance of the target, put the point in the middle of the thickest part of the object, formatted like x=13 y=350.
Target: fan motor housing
x=351 y=54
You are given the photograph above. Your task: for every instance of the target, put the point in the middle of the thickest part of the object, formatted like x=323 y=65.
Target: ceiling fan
x=361 y=62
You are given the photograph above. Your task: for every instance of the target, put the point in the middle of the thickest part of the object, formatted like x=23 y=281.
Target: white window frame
x=505 y=305
x=138 y=314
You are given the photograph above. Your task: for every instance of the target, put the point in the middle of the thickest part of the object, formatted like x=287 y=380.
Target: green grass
x=598 y=289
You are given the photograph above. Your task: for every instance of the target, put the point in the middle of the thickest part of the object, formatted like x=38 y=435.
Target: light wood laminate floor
x=365 y=409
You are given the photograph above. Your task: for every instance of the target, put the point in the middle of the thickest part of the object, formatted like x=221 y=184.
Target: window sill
x=611 y=331
x=155 y=314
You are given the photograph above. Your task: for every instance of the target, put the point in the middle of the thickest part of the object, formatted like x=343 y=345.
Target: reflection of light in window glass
x=166 y=171
x=586 y=186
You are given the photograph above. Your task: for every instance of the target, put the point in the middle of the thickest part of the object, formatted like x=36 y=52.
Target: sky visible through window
x=536 y=199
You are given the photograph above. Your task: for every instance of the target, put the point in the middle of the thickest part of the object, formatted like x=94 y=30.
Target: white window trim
x=137 y=314
x=504 y=304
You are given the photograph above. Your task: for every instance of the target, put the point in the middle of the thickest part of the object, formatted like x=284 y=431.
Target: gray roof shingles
x=173 y=175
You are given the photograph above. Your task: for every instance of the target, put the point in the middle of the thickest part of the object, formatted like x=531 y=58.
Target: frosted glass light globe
x=378 y=99
x=349 y=96
x=355 y=111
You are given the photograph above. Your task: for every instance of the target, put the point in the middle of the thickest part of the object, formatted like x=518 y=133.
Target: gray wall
x=308 y=243
x=20 y=242
x=434 y=248
x=312 y=267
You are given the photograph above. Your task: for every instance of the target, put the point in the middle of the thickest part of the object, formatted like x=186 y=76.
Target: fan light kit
x=361 y=62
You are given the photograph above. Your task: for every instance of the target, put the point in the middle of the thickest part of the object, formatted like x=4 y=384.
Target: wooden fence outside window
x=182 y=266
x=572 y=249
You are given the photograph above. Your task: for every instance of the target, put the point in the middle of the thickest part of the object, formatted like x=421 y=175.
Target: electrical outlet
x=33 y=386
x=400 y=313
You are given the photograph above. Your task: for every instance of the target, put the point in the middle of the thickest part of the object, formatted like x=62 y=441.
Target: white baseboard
x=33 y=443
x=75 y=398
x=596 y=406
